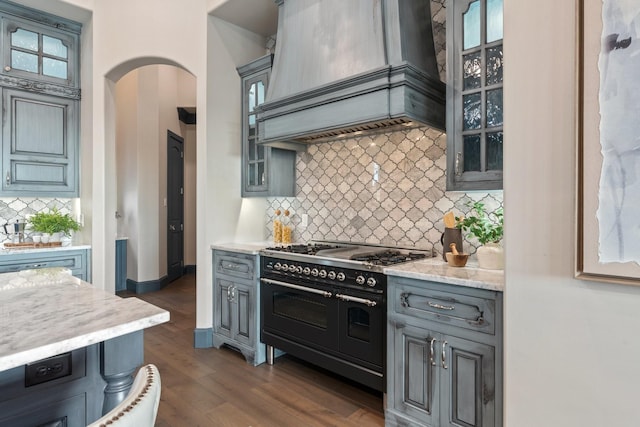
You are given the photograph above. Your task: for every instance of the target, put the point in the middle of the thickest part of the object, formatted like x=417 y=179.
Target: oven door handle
x=367 y=302
x=298 y=287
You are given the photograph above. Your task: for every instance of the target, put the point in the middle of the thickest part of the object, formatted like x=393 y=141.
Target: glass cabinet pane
x=471 y=29
x=494 y=20
x=472 y=71
x=54 y=68
x=251 y=152
x=53 y=46
x=25 y=39
x=260 y=152
x=471 y=149
x=252 y=97
x=472 y=115
x=494 y=151
x=494 y=65
x=260 y=92
x=24 y=61
x=494 y=108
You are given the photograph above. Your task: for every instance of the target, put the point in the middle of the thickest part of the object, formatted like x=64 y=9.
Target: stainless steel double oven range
x=325 y=302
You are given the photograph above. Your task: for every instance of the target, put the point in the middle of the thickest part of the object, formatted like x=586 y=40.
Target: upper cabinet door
x=39 y=145
x=39 y=52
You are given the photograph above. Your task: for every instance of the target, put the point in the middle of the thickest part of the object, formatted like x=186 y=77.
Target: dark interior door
x=175 y=206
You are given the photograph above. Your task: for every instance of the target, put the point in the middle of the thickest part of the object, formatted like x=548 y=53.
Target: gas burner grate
x=389 y=257
x=308 y=249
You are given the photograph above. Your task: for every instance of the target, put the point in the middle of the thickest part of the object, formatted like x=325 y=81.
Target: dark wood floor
x=210 y=387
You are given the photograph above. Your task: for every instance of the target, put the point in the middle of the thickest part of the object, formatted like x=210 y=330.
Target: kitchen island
x=67 y=349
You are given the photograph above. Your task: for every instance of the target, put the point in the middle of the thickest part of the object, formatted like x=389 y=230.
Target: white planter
x=45 y=237
x=491 y=256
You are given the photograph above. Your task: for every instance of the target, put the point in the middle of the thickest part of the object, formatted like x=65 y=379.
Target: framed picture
x=608 y=131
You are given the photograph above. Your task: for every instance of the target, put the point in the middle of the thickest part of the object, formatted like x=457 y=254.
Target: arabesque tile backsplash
x=387 y=188
x=12 y=209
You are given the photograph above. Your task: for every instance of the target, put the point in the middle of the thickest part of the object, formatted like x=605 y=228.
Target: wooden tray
x=31 y=245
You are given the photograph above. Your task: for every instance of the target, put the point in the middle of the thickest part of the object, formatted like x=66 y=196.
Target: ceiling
x=258 y=16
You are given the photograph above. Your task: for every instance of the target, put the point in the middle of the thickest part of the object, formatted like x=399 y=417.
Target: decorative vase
x=491 y=256
x=45 y=237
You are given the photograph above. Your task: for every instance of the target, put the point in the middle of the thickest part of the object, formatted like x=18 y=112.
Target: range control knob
x=331 y=275
x=299 y=269
x=340 y=276
x=360 y=280
x=284 y=267
x=306 y=271
x=314 y=272
x=292 y=268
x=323 y=273
x=277 y=266
x=371 y=282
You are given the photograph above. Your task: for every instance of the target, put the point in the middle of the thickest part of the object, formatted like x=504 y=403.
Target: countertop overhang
x=47 y=312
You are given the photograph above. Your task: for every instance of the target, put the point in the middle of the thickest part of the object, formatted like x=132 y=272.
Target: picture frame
x=589 y=153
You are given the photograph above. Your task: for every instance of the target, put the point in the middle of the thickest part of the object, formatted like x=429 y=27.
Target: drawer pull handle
x=440 y=306
x=444 y=355
x=432 y=352
x=234 y=266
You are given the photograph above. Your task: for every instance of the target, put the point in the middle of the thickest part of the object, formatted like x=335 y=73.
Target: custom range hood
x=345 y=66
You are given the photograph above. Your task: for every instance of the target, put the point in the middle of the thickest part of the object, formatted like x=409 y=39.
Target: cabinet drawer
x=234 y=264
x=71 y=261
x=437 y=304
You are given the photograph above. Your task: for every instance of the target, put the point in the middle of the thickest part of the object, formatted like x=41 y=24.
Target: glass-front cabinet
x=474 y=95
x=40 y=89
x=266 y=171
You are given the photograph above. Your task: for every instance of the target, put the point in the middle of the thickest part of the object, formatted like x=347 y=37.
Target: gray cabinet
x=40 y=98
x=444 y=355
x=236 y=313
x=76 y=260
x=39 y=145
x=266 y=171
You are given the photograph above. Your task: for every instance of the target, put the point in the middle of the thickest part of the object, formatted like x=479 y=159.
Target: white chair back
x=140 y=407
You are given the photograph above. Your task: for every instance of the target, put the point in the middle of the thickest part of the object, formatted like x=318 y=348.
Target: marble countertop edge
x=37 y=353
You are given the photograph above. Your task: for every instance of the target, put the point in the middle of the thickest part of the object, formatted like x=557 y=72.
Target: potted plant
x=487 y=227
x=50 y=223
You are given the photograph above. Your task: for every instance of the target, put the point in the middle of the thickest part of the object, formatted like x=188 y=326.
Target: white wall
x=146 y=101
x=572 y=356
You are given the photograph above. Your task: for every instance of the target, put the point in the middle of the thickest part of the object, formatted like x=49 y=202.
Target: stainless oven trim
x=297 y=287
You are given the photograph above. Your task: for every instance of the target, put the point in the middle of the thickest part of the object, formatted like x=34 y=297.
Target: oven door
x=300 y=313
x=362 y=326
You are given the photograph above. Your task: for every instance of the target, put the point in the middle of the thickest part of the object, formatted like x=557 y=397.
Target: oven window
x=359 y=324
x=298 y=307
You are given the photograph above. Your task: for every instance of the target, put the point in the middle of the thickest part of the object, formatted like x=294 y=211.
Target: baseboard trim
x=190 y=269
x=148 y=286
x=203 y=337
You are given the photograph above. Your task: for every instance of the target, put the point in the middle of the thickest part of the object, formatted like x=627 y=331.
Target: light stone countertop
x=251 y=248
x=47 y=312
x=435 y=269
x=12 y=251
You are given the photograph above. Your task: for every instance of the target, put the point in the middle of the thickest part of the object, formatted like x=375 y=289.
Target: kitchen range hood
x=345 y=66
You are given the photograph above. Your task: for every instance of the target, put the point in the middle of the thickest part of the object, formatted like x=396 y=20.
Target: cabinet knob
x=7 y=68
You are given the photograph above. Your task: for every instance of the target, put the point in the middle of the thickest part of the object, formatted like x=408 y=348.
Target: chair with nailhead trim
x=140 y=407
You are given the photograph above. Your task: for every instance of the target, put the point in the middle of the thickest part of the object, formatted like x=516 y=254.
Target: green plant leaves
x=486 y=227
x=53 y=222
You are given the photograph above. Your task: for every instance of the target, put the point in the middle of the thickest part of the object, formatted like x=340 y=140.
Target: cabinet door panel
x=39 y=144
x=242 y=299
x=222 y=321
x=416 y=384
x=468 y=384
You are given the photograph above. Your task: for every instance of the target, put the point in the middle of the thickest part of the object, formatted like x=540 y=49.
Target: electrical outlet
x=304 y=220
x=48 y=369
